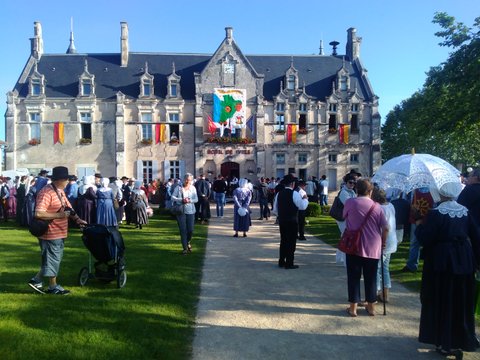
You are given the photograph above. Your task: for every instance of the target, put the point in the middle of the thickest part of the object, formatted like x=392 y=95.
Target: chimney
x=37 y=41
x=229 y=34
x=124 y=44
x=353 y=44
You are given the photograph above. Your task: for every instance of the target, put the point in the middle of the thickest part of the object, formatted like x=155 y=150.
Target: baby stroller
x=106 y=245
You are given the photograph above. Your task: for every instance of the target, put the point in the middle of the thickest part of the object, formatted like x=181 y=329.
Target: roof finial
x=281 y=86
x=173 y=67
x=146 y=67
x=321 y=48
x=71 y=48
x=85 y=66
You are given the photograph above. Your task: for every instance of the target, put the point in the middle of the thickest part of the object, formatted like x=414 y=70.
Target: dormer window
x=146 y=84
x=86 y=88
x=173 y=89
x=36 y=83
x=332 y=107
x=302 y=107
x=354 y=108
x=343 y=83
x=291 y=82
x=36 y=87
x=86 y=82
x=280 y=106
x=146 y=89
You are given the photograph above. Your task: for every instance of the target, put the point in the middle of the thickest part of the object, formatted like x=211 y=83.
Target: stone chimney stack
x=353 y=44
x=37 y=41
x=229 y=34
x=124 y=44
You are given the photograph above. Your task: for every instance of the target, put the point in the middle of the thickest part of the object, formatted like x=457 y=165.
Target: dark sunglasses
x=352 y=182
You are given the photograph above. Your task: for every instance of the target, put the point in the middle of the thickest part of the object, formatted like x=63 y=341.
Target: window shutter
x=166 y=170
x=139 y=170
x=154 y=170
x=182 y=169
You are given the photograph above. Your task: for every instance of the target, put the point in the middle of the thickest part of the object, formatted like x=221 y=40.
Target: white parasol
x=409 y=172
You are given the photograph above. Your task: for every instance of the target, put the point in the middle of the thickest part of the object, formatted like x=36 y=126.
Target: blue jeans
x=323 y=200
x=185 y=225
x=386 y=272
x=220 y=200
x=414 y=251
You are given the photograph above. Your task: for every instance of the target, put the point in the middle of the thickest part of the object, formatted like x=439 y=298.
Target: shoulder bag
x=350 y=241
x=336 y=210
x=39 y=227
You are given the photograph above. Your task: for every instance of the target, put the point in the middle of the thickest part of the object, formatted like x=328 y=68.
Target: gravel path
x=250 y=308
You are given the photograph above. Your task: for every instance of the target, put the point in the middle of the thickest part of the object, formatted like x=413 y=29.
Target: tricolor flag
x=292 y=133
x=212 y=128
x=58 y=133
x=343 y=133
x=160 y=134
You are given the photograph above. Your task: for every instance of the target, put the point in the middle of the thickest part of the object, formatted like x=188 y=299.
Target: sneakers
x=36 y=285
x=58 y=290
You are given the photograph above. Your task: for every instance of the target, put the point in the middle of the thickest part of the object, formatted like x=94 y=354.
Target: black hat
x=98 y=175
x=124 y=178
x=43 y=172
x=73 y=178
x=288 y=179
x=60 y=173
x=112 y=178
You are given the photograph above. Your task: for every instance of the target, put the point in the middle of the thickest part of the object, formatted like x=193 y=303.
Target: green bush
x=313 y=210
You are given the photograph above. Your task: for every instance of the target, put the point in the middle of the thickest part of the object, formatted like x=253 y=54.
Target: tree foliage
x=443 y=117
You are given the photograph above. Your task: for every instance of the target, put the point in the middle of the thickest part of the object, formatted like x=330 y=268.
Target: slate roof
x=62 y=72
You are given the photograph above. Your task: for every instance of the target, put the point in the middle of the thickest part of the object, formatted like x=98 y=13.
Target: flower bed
x=228 y=140
x=34 y=142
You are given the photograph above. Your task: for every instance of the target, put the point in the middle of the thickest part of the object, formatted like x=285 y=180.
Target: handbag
x=336 y=210
x=177 y=208
x=350 y=241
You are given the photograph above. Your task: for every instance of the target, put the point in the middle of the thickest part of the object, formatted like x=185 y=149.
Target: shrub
x=313 y=210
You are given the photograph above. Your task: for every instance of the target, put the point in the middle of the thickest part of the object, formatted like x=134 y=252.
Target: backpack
x=336 y=211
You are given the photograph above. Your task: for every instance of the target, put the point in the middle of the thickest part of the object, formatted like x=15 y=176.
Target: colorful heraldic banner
x=229 y=109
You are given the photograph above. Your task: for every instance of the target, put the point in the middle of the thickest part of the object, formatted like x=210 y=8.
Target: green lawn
x=325 y=228
x=152 y=317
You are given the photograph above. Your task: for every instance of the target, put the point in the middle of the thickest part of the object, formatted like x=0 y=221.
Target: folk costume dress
x=241 y=198
x=451 y=249
x=105 y=210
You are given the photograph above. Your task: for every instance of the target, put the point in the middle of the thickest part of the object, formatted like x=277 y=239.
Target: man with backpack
x=53 y=205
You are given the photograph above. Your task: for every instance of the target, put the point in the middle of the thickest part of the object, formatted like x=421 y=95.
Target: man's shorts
x=52 y=254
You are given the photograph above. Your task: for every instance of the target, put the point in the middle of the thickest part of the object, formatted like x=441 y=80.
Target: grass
x=152 y=317
x=325 y=228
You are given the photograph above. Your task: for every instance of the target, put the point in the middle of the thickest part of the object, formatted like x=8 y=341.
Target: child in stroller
x=106 y=245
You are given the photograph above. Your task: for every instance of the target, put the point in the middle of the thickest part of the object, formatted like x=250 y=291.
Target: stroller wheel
x=83 y=276
x=121 y=279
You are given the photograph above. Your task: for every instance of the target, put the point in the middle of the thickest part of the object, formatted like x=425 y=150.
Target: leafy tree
x=443 y=117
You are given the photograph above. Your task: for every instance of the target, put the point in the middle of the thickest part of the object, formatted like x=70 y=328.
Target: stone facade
x=146 y=115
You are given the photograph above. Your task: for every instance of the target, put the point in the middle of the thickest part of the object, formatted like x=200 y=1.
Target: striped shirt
x=47 y=200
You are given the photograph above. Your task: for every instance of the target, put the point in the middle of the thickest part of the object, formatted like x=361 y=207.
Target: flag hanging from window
x=292 y=133
x=212 y=128
x=343 y=133
x=160 y=134
x=58 y=133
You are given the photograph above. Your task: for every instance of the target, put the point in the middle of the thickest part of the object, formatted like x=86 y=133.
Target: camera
x=72 y=212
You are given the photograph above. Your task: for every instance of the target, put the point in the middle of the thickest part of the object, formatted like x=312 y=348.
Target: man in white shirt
x=324 y=192
x=301 y=213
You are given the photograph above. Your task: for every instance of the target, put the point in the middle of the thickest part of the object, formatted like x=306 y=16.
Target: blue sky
x=398 y=44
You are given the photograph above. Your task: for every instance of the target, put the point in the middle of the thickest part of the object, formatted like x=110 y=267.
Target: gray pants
x=52 y=254
x=185 y=225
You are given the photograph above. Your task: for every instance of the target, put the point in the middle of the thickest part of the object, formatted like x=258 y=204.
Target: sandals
x=189 y=247
x=369 y=313
x=352 y=314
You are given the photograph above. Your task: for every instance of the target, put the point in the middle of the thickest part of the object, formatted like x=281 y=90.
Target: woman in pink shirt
x=372 y=239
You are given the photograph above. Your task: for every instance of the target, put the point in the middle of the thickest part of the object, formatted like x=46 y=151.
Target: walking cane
x=383 y=284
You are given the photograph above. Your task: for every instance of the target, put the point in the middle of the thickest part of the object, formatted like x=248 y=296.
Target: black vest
x=287 y=210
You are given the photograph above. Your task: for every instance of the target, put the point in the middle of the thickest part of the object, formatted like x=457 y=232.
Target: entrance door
x=230 y=169
x=332 y=179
